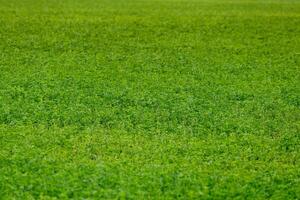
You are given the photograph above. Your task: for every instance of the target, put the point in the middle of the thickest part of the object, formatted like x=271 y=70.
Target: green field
x=150 y=99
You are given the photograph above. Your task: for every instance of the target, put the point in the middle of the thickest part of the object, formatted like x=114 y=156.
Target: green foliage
x=140 y=99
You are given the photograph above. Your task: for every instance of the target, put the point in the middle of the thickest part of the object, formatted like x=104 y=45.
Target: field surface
x=150 y=99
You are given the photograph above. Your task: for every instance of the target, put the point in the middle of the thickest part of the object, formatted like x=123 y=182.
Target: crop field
x=150 y=99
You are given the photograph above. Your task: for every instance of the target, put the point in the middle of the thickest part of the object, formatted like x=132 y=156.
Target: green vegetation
x=141 y=99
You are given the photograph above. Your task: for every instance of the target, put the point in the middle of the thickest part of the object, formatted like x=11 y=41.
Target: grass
x=143 y=99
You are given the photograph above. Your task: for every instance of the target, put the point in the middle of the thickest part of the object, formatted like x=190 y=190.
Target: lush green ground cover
x=149 y=99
